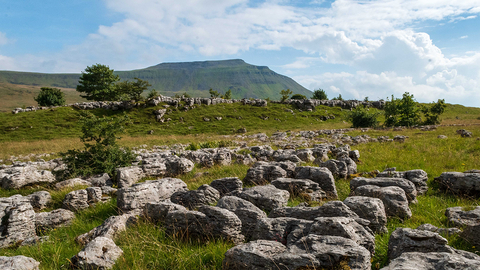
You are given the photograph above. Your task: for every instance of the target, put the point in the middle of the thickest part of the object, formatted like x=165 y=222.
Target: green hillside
x=195 y=78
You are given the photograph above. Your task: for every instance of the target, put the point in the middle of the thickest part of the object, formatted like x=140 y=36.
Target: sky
x=356 y=48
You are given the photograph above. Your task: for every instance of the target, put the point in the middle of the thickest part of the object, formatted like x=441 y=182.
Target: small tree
x=362 y=117
x=319 y=94
x=50 y=97
x=402 y=112
x=338 y=98
x=285 y=94
x=298 y=96
x=101 y=154
x=432 y=113
x=213 y=93
x=98 y=83
x=153 y=94
x=128 y=90
x=228 y=94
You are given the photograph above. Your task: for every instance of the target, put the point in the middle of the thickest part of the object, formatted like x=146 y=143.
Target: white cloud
x=3 y=39
x=463 y=37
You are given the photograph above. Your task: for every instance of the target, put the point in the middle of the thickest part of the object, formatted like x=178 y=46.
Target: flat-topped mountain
x=195 y=78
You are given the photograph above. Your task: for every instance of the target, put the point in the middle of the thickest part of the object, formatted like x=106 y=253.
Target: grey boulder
x=301 y=187
x=76 y=200
x=266 y=197
x=371 y=209
x=322 y=176
x=192 y=199
x=40 y=199
x=465 y=184
x=393 y=198
x=18 y=263
x=17 y=177
x=407 y=186
x=53 y=219
x=328 y=209
x=227 y=185
x=434 y=261
x=101 y=253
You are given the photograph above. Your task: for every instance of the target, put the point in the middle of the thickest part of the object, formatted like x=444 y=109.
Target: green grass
x=146 y=246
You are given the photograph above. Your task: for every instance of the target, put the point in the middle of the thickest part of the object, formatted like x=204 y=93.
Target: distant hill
x=194 y=78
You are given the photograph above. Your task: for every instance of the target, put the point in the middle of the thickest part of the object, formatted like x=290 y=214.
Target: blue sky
x=355 y=48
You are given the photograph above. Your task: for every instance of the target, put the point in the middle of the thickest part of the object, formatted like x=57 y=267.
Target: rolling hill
x=194 y=78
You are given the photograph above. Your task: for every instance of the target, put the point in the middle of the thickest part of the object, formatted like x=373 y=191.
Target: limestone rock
x=410 y=240
x=459 y=217
x=17 y=177
x=246 y=211
x=72 y=183
x=328 y=209
x=417 y=177
x=138 y=195
x=223 y=223
x=100 y=253
x=302 y=187
x=157 y=212
x=17 y=220
x=192 y=199
x=322 y=176
x=344 y=227
x=18 y=263
x=109 y=228
x=227 y=185
x=393 y=198
x=53 y=219
x=407 y=186
x=127 y=176
x=371 y=209
x=445 y=231
x=433 y=260
x=76 y=200
x=266 y=197
x=40 y=199
x=465 y=184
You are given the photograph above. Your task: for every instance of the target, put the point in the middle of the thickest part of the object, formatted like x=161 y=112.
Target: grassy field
x=146 y=246
x=21 y=96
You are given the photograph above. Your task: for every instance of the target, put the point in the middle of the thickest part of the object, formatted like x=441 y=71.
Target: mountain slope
x=195 y=78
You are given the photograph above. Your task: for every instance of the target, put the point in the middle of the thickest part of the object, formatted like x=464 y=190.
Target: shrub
x=319 y=94
x=362 y=117
x=402 y=112
x=50 y=97
x=432 y=113
x=128 y=90
x=228 y=94
x=338 y=98
x=153 y=94
x=298 y=96
x=285 y=94
x=101 y=154
x=213 y=93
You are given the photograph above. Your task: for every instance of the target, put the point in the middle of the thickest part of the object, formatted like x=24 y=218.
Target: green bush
x=153 y=94
x=319 y=94
x=362 y=117
x=128 y=90
x=338 y=98
x=104 y=155
x=50 y=97
x=298 y=96
x=285 y=94
x=432 y=113
x=98 y=83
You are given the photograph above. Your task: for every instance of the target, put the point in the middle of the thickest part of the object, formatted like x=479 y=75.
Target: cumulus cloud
x=3 y=39
x=376 y=38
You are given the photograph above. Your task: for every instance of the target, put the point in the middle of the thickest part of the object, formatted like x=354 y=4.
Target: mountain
x=195 y=78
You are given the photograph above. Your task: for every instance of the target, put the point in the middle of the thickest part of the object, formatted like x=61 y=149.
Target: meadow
x=146 y=246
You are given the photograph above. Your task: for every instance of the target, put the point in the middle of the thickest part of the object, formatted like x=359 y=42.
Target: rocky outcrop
x=109 y=228
x=393 y=198
x=227 y=185
x=138 y=195
x=18 y=263
x=301 y=187
x=264 y=197
x=192 y=199
x=407 y=186
x=371 y=209
x=328 y=209
x=322 y=176
x=17 y=177
x=76 y=200
x=246 y=211
x=417 y=177
x=465 y=184
x=40 y=199
x=17 y=220
x=312 y=251
x=72 y=183
x=100 y=253
x=53 y=219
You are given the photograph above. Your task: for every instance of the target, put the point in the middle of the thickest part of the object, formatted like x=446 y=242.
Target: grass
x=146 y=246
